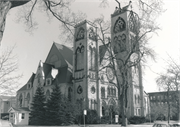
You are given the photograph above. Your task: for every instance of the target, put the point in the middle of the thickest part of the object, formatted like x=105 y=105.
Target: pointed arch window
x=92 y=58
x=80 y=34
x=77 y=58
x=28 y=99
x=108 y=91
x=79 y=64
x=20 y=100
x=119 y=25
x=102 y=92
x=82 y=57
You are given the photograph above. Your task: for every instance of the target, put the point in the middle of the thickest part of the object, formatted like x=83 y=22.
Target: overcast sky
x=31 y=48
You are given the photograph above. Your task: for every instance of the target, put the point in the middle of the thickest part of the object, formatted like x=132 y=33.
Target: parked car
x=175 y=124
x=164 y=124
x=5 y=117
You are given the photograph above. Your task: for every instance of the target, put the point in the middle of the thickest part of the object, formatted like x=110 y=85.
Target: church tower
x=85 y=66
x=123 y=37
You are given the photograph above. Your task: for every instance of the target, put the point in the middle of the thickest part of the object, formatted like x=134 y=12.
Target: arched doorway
x=111 y=106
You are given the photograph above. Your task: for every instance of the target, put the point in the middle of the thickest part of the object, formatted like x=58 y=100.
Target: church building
x=84 y=72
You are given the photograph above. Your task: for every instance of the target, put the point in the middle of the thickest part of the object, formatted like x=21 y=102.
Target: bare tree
x=8 y=72
x=5 y=6
x=136 y=54
x=60 y=9
x=170 y=81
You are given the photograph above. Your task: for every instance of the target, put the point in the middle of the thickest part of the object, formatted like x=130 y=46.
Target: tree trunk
x=124 y=98
x=168 y=105
x=4 y=8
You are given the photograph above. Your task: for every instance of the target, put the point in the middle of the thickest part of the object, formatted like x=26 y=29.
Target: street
x=5 y=123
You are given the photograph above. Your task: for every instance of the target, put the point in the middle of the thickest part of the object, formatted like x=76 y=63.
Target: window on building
x=139 y=111
x=48 y=81
x=22 y=116
x=135 y=98
x=169 y=96
x=102 y=79
x=102 y=92
x=92 y=57
x=79 y=61
x=138 y=99
x=103 y=111
x=93 y=104
x=11 y=115
x=20 y=100
x=108 y=91
x=28 y=99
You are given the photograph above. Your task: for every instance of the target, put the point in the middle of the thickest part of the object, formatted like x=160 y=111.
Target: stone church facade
x=84 y=73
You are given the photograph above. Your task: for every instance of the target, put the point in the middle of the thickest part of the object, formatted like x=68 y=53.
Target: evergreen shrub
x=137 y=120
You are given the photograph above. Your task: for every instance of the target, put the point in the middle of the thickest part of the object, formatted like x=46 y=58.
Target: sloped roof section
x=7 y=98
x=31 y=80
x=102 y=51
x=19 y=109
x=66 y=52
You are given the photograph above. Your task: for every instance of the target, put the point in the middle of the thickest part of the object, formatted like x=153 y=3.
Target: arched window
x=93 y=58
x=108 y=90
x=90 y=57
x=20 y=100
x=138 y=99
x=92 y=104
x=102 y=92
x=78 y=51
x=69 y=93
x=28 y=99
x=114 y=91
x=80 y=34
x=47 y=95
x=111 y=104
x=82 y=57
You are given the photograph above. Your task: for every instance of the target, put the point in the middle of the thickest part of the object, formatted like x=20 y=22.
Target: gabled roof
x=6 y=98
x=19 y=109
x=31 y=80
x=102 y=51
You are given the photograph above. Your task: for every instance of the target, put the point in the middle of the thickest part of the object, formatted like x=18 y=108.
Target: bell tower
x=85 y=65
x=124 y=29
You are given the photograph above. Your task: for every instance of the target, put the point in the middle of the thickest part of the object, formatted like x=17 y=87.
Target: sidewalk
x=5 y=123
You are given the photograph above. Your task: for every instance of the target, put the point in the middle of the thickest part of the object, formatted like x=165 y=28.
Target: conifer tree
x=38 y=108
x=70 y=111
x=55 y=108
